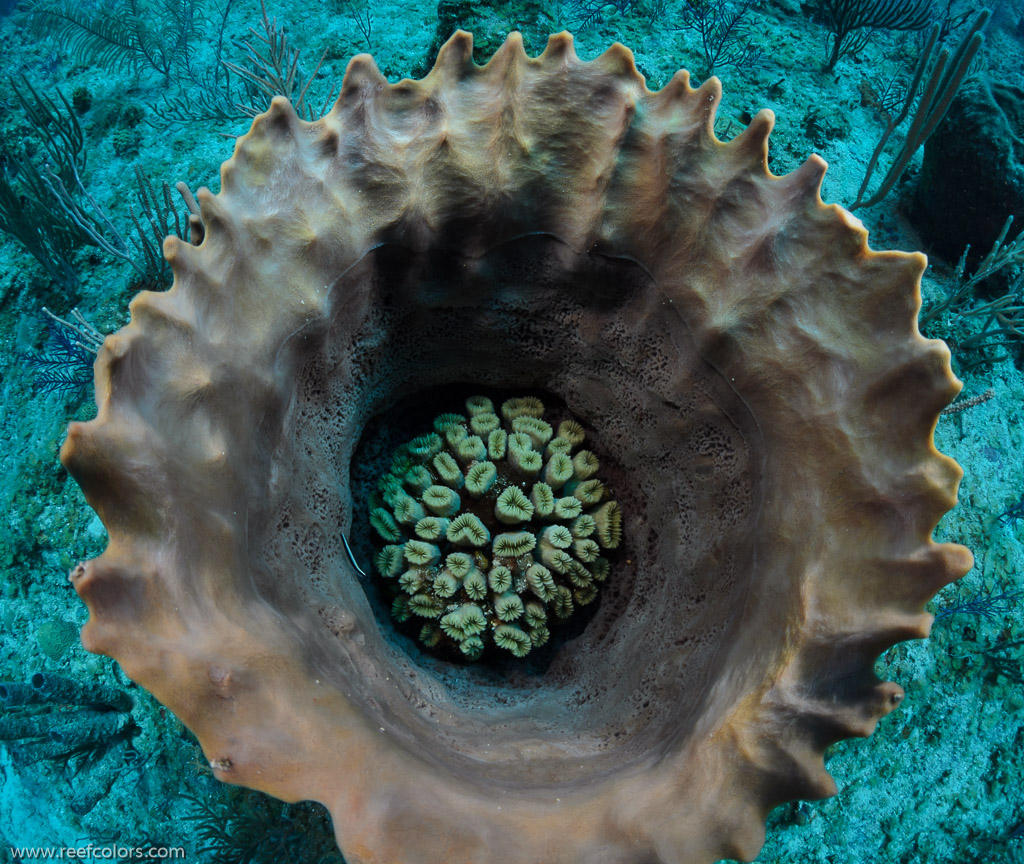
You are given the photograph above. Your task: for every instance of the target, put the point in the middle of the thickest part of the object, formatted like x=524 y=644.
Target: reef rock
x=972 y=176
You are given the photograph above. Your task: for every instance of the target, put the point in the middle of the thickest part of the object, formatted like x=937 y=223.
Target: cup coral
x=445 y=560
x=748 y=370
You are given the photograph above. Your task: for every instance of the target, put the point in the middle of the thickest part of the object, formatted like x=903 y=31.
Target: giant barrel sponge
x=748 y=371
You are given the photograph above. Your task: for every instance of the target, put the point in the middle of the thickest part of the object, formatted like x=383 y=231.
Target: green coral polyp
x=475 y=585
x=441 y=501
x=497 y=444
x=538 y=431
x=558 y=471
x=466 y=620
x=448 y=470
x=480 y=478
x=589 y=491
x=384 y=524
x=494 y=526
x=508 y=606
x=458 y=564
x=411 y=581
x=539 y=580
x=511 y=638
x=390 y=561
x=513 y=507
x=568 y=508
x=468 y=530
x=425 y=605
x=444 y=422
x=543 y=499
x=408 y=511
x=585 y=465
x=572 y=432
x=431 y=528
x=484 y=424
x=499 y=579
x=471 y=450
x=421 y=554
x=514 y=544
x=445 y=585
x=425 y=446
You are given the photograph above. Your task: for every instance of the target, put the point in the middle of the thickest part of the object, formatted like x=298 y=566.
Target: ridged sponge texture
x=749 y=372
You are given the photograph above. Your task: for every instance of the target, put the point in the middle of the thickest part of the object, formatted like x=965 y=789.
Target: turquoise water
x=92 y=96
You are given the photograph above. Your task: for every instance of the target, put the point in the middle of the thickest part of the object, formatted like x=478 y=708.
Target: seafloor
x=941 y=780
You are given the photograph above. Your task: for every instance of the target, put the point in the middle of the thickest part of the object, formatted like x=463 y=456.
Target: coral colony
x=494 y=529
